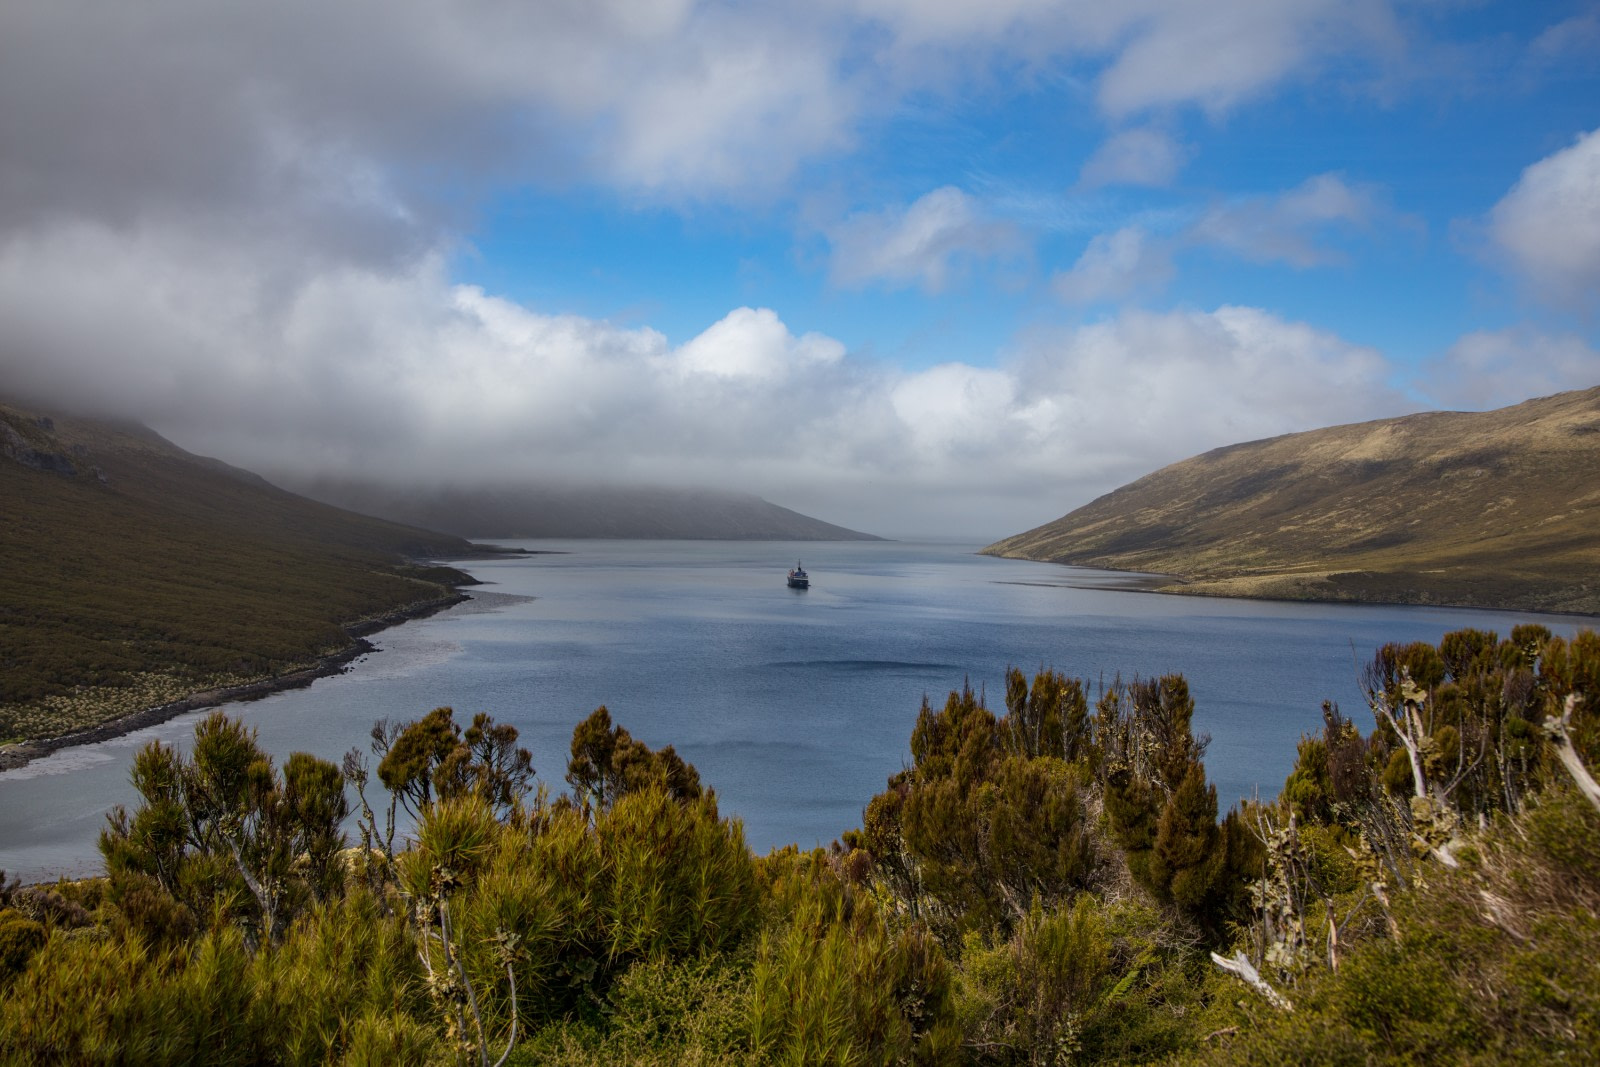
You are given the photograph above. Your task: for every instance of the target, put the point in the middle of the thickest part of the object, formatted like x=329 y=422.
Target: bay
x=794 y=705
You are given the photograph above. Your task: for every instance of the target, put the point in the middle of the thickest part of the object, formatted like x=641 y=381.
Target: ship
x=798 y=579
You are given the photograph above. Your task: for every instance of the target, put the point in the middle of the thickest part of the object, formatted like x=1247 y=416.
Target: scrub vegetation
x=1051 y=883
x=133 y=574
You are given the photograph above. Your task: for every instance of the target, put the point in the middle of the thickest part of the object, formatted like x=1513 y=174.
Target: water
x=795 y=706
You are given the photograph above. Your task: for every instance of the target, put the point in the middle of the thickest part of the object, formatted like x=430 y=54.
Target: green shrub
x=1090 y=982
x=225 y=835
x=140 y=906
x=682 y=882
x=20 y=938
x=834 y=984
x=347 y=962
x=653 y=878
x=213 y=1001
x=433 y=759
x=608 y=763
x=90 y=1002
x=674 y=1014
x=991 y=813
x=1497 y=962
x=380 y=1039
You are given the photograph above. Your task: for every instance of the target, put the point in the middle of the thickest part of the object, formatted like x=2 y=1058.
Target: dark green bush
x=652 y=879
x=20 y=939
x=224 y=835
x=990 y=814
x=608 y=763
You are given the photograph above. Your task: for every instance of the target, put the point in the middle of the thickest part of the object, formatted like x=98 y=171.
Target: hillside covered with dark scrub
x=133 y=573
x=1051 y=883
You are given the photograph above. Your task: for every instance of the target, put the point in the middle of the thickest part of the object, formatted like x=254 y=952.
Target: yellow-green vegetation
x=133 y=574
x=1490 y=509
x=1048 y=885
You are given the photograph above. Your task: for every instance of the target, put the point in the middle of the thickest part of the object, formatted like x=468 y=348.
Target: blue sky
x=916 y=266
x=1427 y=159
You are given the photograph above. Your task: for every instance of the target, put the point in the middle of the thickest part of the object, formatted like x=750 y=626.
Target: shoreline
x=23 y=753
x=1213 y=588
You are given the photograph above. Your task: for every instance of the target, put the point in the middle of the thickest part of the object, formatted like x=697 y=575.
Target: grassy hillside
x=551 y=511
x=133 y=573
x=1491 y=509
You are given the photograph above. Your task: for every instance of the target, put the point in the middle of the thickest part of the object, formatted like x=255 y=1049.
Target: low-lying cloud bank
x=406 y=377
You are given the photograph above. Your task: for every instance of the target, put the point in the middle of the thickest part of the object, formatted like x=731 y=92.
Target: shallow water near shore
x=794 y=705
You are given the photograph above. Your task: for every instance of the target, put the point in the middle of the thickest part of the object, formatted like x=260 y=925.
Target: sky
x=918 y=267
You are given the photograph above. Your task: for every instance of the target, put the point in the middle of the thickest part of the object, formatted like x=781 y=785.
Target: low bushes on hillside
x=1050 y=885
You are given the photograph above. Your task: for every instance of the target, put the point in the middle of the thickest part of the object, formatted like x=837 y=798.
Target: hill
x=1485 y=509
x=133 y=574
x=581 y=512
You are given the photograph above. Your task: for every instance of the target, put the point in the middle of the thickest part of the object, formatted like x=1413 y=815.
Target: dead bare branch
x=1246 y=971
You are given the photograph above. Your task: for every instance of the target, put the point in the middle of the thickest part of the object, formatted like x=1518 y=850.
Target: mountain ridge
x=580 y=512
x=1491 y=509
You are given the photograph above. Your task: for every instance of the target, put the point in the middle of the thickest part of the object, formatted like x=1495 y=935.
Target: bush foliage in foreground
x=1050 y=885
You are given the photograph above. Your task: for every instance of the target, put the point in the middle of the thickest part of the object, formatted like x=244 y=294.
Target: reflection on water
x=795 y=706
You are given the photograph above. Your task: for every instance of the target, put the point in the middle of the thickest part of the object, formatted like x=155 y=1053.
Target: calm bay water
x=795 y=706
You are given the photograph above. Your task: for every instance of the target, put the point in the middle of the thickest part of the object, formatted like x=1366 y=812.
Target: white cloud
x=926 y=243
x=1297 y=227
x=1148 y=388
x=1493 y=368
x=1116 y=265
x=404 y=376
x=177 y=106
x=1134 y=157
x=236 y=226
x=754 y=344
x=1218 y=54
x=1291 y=227
x=1548 y=225
x=1142 y=55
x=1578 y=36
x=953 y=410
x=753 y=103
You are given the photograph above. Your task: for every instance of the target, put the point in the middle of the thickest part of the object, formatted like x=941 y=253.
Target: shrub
x=834 y=984
x=433 y=759
x=990 y=814
x=608 y=763
x=652 y=879
x=692 y=1013
x=223 y=834
x=381 y=1039
x=20 y=939
x=1496 y=962
x=213 y=1001
x=682 y=880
